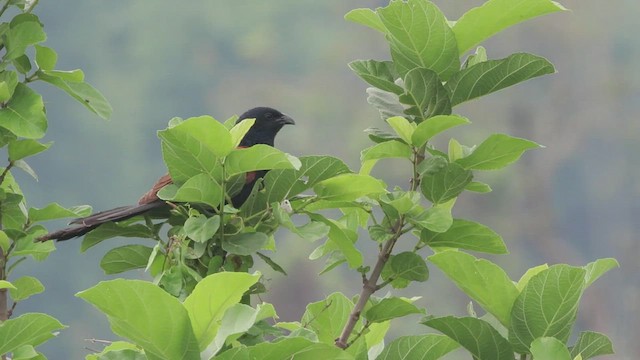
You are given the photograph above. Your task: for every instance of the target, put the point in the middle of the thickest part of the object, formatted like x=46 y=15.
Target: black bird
x=268 y=122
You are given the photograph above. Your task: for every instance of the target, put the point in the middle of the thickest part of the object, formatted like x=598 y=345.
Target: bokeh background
x=574 y=201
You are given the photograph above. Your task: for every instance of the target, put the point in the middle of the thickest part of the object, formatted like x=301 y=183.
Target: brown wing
x=152 y=195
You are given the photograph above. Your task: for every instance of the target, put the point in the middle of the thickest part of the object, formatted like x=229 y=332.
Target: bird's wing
x=152 y=195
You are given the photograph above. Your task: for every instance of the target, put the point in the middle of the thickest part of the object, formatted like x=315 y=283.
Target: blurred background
x=574 y=201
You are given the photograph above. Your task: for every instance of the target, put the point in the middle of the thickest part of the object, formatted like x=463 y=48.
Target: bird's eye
x=268 y=116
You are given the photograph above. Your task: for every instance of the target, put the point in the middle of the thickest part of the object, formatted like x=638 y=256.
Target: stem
x=30 y=9
x=4 y=7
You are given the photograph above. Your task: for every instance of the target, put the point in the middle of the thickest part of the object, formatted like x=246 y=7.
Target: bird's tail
x=86 y=224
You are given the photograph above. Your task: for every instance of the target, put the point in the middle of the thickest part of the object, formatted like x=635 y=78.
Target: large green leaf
x=435 y=125
x=591 y=344
x=480 y=23
x=21 y=149
x=425 y=94
x=211 y=297
x=125 y=258
x=201 y=228
x=200 y=188
x=550 y=348
x=27 y=329
x=236 y=321
x=430 y=346
x=380 y=74
x=55 y=211
x=8 y=83
x=46 y=57
x=386 y=150
x=24 y=30
x=245 y=243
x=366 y=17
x=348 y=187
x=391 y=308
x=598 y=268
x=82 y=92
x=259 y=157
x=147 y=315
x=493 y=75
x=477 y=336
x=547 y=306
x=465 y=234
x=297 y=348
x=24 y=114
x=445 y=184
x=420 y=37
x=110 y=230
x=482 y=280
x=407 y=265
x=496 y=152
x=343 y=240
x=327 y=317
x=25 y=287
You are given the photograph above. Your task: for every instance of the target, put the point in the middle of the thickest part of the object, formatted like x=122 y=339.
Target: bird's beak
x=286 y=120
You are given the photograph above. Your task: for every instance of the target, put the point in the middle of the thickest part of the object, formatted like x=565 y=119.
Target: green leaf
x=146 y=315
x=344 y=240
x=366 y=17
x=482 y=280
x=84 y=93
x=465 y=234
x=200 y=189
x=200 y=228
x=239 y=130
x=25 y=287
x=259 y=157
x=478 y=57
x=21 y=149
x=402 y=127
x=446 y=184
x=24 y=30
x=22 y=64
x=378 y=136
x=477 y=336
x=110 y=230
x=28 y=329
x=549 y=348
x=238 y=320
x=547 y=306
x=4 y=284
x=479 y=187
x=524 y=280
x=13 y=212
x=420 y=37
x=8 y=83
x=244 y=243
x=71 y=76
x=409 y=266
x=598 y=268
x=480 y=23
x=327 y=317
x=493 y=75
x=312 y=231
x=38 y=250
x=437 y=218
x=425 y=94
x=55 y=211
x=46 y=57
x=591 y=344
x=387 y=103
x=272 y=264
x=430 y=346
x=386 y=150
x=24 y=114
x=348 y=187
x=211 y=297
x=435 y=125
x=4 y=241
x=391 y=308
x=297 y=348
x=380 y=74
x=125 y=258
x=496 y=152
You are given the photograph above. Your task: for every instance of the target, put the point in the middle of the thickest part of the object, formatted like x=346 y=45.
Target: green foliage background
x=571 y=202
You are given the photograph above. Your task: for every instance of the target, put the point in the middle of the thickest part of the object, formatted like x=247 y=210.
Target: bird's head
x=268 y=122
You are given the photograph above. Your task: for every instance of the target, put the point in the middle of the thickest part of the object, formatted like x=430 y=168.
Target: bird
x=268 y=122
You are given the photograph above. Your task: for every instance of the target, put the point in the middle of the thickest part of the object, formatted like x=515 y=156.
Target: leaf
x=391 y=308
x=430 y=346
x=24 y=114
x=146 y=315
x=110 y=230
x=200 y=228
x=297 y=348
x=239 y=130
x=259 y=157
x=312 y=231
x=482 y=280
x=366 y=17
x=82 y=92
x=591 y=344
x=348 y=187
x=25 y=287
x=46 y=58
x=244 y=243
x=211 y=297
x=38 y=250
x=409 y=266
x=238 y=320
x=272 y=264
x=402 y=127
x=425 y=94
x=71 y=76
x=496 y=152
x=4 y=284
x=124 y=258
x=435 y=125
x=8 y=83
x=4 y=241
x=437 y=218
x=446 y=184
x=327 y=317
x=465 y=234
x=380 y=74
x=55 y=211
x=524 y=280
x=598 y=268
x=21 y=149
x=378 y=136
x=493 y=75
x=387 y=103
x=547 y=306
x=27 y=329
x=479 y=187
x=386 y=150
x=200 y=189
x=477 y=336
x=420 y=37
x=480 y=23
x=24 y=30
x=344 y=240
x=549 y=348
